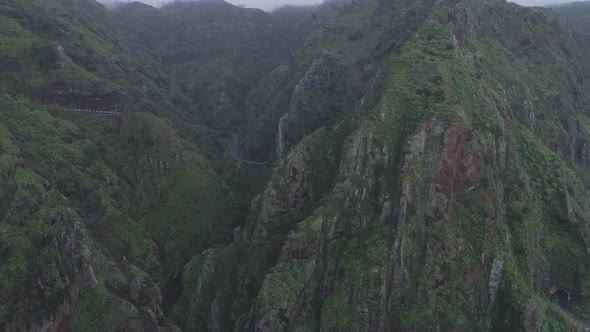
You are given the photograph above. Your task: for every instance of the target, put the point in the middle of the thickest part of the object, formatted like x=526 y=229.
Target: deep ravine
x=372 y=165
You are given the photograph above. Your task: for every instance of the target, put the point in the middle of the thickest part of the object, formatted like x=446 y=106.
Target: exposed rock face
x=288 y=193
x=303 y=254
x=495 y=278
x=459 y=172
x=363 y=159
x=49 y=295
x=133 y=285
x=57 y=57
x=319 y=82
x=284 y=137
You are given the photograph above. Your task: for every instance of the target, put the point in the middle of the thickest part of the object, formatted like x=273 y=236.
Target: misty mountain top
x=273 y=4
x=261 y=4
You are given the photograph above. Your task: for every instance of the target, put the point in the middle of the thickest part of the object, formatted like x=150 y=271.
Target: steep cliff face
x=325 y=80
x=456 y=197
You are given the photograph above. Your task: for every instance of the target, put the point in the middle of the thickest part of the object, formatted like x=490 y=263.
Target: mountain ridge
x=427 y=167
x=308 y=286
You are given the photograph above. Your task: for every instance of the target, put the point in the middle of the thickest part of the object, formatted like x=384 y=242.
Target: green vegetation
x=75 y=189
x=91 y=314
x=427 y=167
x=195 y=214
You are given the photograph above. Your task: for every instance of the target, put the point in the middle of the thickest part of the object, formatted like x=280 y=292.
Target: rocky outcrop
x=56 y=57
x=48 y=296
x=284 y=137
x=133 y=285
x=287 y=195
x=495 y=278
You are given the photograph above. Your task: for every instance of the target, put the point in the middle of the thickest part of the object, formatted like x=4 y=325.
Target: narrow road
x=235 y=153
x=584 y=326
x=93 y=111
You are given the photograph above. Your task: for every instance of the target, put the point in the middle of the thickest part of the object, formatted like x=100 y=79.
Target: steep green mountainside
x=408 y=165
x=97 y=210
x=215 y=54
x=431 y=174
x=328 y=77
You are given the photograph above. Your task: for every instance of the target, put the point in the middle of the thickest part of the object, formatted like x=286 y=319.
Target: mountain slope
x=423 y=165
x=453 y=196
x=85 y=195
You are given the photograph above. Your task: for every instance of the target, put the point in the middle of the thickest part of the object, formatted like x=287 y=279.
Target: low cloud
x=272 y=4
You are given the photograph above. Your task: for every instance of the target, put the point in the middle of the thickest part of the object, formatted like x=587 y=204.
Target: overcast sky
x=271 y=4
x=541 y=2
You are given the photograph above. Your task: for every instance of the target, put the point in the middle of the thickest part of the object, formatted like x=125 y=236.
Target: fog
x=541 y=2
x=262 y=4
x=272 y=4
